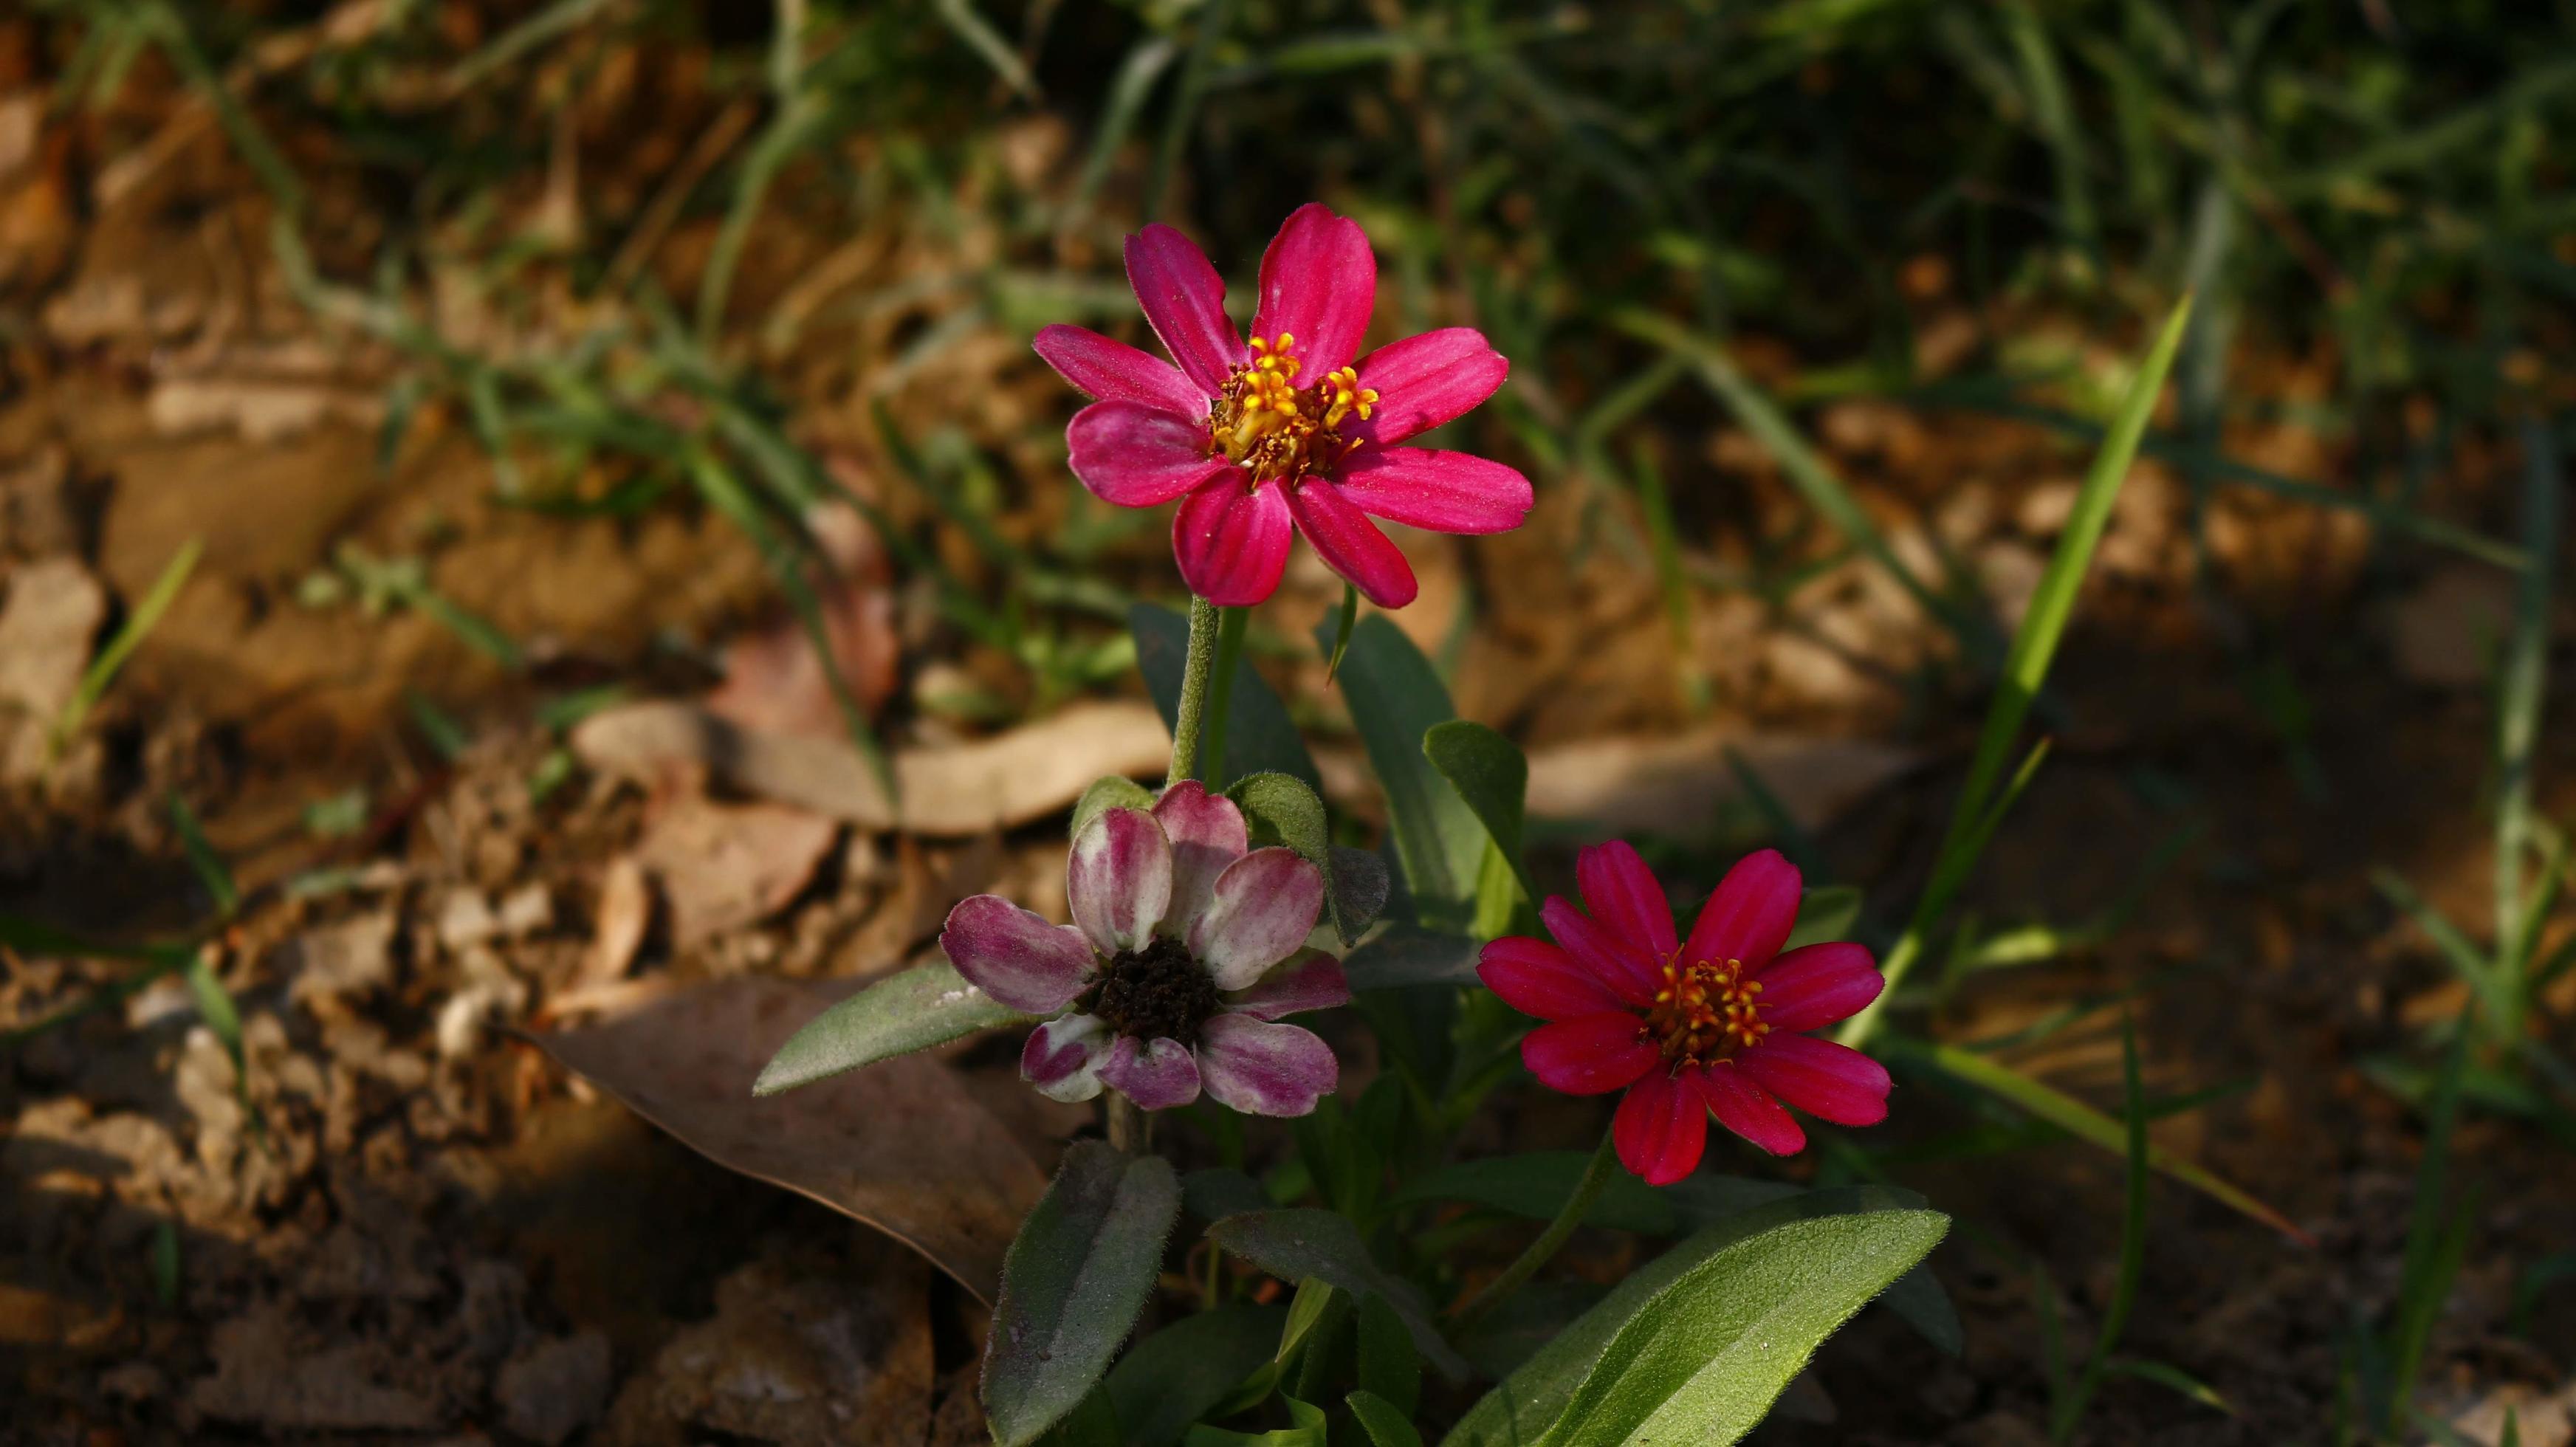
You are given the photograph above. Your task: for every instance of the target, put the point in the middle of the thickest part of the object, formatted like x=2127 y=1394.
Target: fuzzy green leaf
x=1079 y=1271
x=1490 y=774
x=1174 y=1377
x=1295 y=1244
x=1395 y=699
x=924 y=1006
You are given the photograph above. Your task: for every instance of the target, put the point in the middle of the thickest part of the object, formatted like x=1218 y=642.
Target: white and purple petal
x=1018 y=957
x=1259 y=913
x=1118 y=878
x=1310 y=980
x=1263 y=1069
x=1063 y=1057
x=1207 y=833
x=1159 y=1075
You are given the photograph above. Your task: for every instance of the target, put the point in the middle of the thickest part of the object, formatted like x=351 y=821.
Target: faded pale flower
x=1691 y=1027
x=1285 y=431
x=1187 y=947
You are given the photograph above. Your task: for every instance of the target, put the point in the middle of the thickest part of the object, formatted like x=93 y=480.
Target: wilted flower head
x=1187 y=944
x=1690 y=1028
x=1285 y=429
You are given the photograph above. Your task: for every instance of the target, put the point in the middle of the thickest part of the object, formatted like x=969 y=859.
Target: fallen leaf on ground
x=774 y=681
x=995 y=783
x=625 y=917
x=899 y=1145
x=52 y=616
x=2449 y=632
x=1684 y=785
x=724 y=866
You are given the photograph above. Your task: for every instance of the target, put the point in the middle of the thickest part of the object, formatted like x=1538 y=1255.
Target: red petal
x=1661 y=1128
x=1594 y=1055
x=1446 y=492
x=1350 y=544
x=1536 y=978
x=1231 y=544
x=1426 y=380
x=1746 y=1109
x=1815 y=985
x=1751 y=913
x=1623 y=894
x=1318 y=284
x=1134 y=455
x=1116 y=372
x=1828 y=1081
x=1184 y=299
x=1621 y=966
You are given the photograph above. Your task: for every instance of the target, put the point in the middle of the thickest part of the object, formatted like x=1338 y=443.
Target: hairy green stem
x=1189 y=720
x=1596 y=1179
x=1130 y=1130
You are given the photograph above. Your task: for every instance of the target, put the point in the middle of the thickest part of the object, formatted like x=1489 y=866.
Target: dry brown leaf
x=996 y=783
x=899 y=1145
x=1682 y=785
x=724 y=866
x=53 y=613
x=625 y=916
x=774 y=681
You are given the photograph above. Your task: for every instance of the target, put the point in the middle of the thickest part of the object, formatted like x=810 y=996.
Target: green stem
x=1130 y=1130
x=1220 y=694
x=1596 y=1179
x=1187 y=722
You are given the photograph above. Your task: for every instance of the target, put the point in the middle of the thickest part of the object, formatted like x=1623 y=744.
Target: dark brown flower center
x=1704 y=1011
x=1274 y=429
x=1156 y=992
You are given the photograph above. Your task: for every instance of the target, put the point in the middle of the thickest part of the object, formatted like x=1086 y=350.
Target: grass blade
x=2133 y=1242
x=138 y=626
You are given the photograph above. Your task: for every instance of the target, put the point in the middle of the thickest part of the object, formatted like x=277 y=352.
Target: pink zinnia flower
x=1691 y=1027
x=1186 y=945
x=1286 y=429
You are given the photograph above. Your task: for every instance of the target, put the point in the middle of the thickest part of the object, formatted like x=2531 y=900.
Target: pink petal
x=1746 y=1109
x=1829 y=1081
x=1425 y=380
x=1815 y=985
x=1207 y=834
x=1063 y=1057
x=1661 y=1128
x=1536 y=978
x=1622 y=894
x=1310 y=980
x=1134 y=455
x=1015 y=956
x=1184 y=300
x=1157 y=1076
x=1750 y=914
x=1318 y=283
x=1118 y=879
x=1113 y=371
x=1231 y=543
x=1446 y=492
x=1623 y=967
x=1259 y=912
x=1350 y=544
x=1593 y=1055
x=1265 y=1069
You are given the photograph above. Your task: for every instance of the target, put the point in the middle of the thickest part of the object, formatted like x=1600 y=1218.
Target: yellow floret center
x=1274 y=429
x=1705 y=1011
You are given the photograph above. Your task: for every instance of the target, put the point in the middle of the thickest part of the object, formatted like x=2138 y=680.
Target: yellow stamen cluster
x=1705 y=1011
x=1274 y=429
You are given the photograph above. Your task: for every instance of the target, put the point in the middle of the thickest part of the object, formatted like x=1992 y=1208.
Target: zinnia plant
x=1690 y=1028
x=1186 y=944
x=1284 y=430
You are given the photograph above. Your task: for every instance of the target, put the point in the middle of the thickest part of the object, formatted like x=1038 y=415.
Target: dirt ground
x=407 y=1221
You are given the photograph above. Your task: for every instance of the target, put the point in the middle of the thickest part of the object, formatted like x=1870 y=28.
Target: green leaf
x=1357 y=887
x=1109 y=793
x=1390 y=1369
x=1307 y=1310
x=1093 y=1422
x=1295 y=1244
x=1174 y=1377
x=1387 y=1424
x=1343 y=619
x=924 y=1006
x=1489 y=773
x=1395 y=699
x=1702 y=1361
x=202 y=858
x=1221 y=1191
x=1282 y=808
x=1080 y=1269
x=1260 y=737
x=1824 y=914
x=138 y=625
x=1522 y=1408
x=1308 y=1430
x=1405 y=956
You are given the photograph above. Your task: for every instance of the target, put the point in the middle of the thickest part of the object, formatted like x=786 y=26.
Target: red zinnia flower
x=1691 y=1027
x=1286 y=429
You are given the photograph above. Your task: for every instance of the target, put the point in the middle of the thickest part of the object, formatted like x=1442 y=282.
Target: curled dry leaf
x=774 y=681
x=900 y=1145
x=1681 y=785
x=724 y=866
x=996 y=783
x=625 y=917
